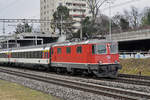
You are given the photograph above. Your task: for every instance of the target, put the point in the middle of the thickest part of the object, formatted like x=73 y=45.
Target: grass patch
x=135 y=66
x=12 y=91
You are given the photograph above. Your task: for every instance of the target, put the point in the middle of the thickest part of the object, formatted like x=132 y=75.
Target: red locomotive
x=98 y=57
x=93 y=56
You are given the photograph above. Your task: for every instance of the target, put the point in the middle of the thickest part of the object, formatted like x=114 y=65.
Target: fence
x=135 y=55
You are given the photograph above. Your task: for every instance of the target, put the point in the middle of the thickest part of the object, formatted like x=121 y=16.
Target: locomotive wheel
x=73 y=71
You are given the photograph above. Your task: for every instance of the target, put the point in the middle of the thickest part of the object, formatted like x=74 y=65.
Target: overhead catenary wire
x=121 y=4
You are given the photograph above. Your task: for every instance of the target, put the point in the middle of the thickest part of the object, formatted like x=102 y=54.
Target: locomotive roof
x=83 y=42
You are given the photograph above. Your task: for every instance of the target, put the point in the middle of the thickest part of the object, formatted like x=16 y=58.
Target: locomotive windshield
x=102 y=48
x=99 y=49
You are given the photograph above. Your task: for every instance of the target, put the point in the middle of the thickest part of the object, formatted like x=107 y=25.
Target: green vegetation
x=135 y=66
x=62 y=21
x=12 y=91
x=25 y=27
x=146 y=17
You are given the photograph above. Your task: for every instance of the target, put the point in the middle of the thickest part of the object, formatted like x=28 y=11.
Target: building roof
x=4 y=38
x=36 y=35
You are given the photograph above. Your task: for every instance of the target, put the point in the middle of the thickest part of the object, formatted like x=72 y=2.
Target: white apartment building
x=78 y=9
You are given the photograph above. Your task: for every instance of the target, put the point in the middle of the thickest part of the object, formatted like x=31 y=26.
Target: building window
x=60 y=4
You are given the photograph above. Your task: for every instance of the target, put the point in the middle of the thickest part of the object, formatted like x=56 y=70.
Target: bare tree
x=145 y=20
x=94 y=6
x=116 y=20
x=127 y=15
x=135 y=17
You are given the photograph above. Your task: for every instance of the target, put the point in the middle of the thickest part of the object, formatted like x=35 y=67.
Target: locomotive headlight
x=100 y=62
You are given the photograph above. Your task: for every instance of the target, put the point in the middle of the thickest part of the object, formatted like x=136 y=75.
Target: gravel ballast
x=134 y=87
x=55 y=90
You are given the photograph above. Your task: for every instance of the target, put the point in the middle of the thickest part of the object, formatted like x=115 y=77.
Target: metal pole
x=16 y=40
x=81 y=31
x=3 y=26
x=36 y=39
x=24 y=26
x=7 y=43
x=42 y=42
x=110 y=28
x=61 y=26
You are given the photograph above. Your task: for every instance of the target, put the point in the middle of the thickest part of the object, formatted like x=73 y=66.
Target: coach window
x=58 y=50
x=26 y=54
x=21 y=55
x=79 y=49
x=40 y=54
x=68 y=50
x=36 y=54
x=18 y=54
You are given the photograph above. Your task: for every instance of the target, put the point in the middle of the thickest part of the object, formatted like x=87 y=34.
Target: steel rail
x=134 y=76
x=122 y=78
x=128 y=81
x=88 y=87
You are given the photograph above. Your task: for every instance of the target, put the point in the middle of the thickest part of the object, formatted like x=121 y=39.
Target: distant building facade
x=78 y=9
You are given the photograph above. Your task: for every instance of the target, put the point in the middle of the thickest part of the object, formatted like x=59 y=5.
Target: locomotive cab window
x=101 y=49
x=68 y=50
x=58 y=50
x=113 y=48
x=79 y=49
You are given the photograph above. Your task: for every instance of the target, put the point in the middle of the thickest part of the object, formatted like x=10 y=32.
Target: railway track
x=122 y=78
x=88 y=87
x=130 y=81
x=134 y=76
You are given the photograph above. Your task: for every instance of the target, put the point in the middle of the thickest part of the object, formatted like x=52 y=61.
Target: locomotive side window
x=79 y=49
x=58 y=50
x=68 y=50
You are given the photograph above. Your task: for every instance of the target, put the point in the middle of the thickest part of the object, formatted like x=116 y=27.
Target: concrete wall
x=130 y=36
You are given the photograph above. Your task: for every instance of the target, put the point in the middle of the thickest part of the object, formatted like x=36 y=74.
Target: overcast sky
x=31 y=8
